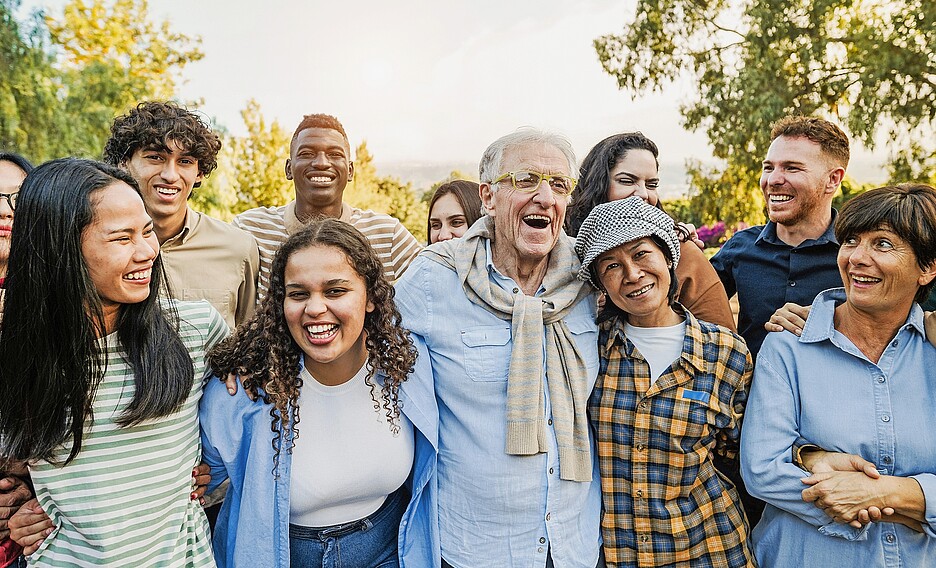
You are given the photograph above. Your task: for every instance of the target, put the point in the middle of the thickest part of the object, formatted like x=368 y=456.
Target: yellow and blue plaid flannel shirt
x=665 y=504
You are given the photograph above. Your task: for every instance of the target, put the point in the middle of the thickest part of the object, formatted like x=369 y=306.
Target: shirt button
x=548 y=515
x=539 y=549
x=550 y=471
x=640 y=493
x=542 y=540
x=640 y=447
x=644 y=538
x=515 y=290
x=881 y=379
x=885 y=418
x=792 y=283
x=887 y=459
x=643 y=405
x=890 y=538
x=895 y=343
x=549 y=422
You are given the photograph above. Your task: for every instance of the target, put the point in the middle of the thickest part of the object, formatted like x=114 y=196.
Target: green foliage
x=254 y=164
x=850 y=188
x=64 y=79
x=867 y=63
x=730 y=194
x=29 y=89
x=386 y=194
x=681 y=210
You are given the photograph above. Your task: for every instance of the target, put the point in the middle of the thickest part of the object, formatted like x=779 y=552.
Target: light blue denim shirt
x=820 y=388
x=494 y=509
x=253 y=525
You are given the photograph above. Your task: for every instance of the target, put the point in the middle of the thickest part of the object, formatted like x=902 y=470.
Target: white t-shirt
x=660 y=346
x=346 y=460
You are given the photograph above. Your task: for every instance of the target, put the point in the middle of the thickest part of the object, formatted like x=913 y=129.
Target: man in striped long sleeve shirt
x=320 y=167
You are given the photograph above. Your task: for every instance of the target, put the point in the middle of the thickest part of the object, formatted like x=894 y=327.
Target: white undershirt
x=346 y=460
x=660 y=346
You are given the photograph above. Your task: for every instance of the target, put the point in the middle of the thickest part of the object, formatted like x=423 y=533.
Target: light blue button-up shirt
x=494 y=509
x=822 y=389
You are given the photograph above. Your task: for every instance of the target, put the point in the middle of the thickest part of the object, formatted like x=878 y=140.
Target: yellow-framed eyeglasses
x=528 y=182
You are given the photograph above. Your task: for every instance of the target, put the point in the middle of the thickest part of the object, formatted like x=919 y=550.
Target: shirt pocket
x=694 y=415
x=487 y=352
x=585 y=334
x=222 y=300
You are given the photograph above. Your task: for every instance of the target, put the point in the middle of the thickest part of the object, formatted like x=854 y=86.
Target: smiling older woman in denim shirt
x=858 y=381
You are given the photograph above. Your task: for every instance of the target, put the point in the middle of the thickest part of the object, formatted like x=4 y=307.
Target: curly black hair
x=156 y=123
x=264 y=348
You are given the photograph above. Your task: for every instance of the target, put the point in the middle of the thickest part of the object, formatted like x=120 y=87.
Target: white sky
x=421 y=80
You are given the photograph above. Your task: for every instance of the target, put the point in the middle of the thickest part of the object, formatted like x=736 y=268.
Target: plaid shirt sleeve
x=664 y=502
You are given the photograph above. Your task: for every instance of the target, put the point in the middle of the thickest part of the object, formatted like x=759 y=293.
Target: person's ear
x=928 y=275
x=289 y=174
x=486 y=191
x=835 y=179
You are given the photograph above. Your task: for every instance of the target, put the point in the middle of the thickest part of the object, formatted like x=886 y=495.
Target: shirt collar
x=769 y=235
x=293 y=224
x=505 y=282
x=820 y=324
x=191 y=221
x=692 y=352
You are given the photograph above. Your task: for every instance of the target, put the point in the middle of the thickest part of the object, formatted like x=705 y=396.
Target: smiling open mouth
x=537 y=221
x=139 y=275
x=640 y=292
x=321 y=331
x=780 y=198
x=167 y=190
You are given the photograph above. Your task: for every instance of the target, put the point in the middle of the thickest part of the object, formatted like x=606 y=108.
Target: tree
x=255 y=165
x=867 y=63
x=29 y=89
x=111 y=57
x=64 y=79
x=386 y=194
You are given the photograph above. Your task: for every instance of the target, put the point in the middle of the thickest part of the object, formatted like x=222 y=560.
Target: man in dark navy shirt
x=793 y=257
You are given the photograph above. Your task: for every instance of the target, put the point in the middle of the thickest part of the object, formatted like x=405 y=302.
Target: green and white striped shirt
x=124 y=499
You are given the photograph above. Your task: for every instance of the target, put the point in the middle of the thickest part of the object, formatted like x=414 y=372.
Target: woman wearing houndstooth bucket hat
x=669 y=402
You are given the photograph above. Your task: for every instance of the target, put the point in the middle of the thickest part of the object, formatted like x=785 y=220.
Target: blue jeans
x=368 y=543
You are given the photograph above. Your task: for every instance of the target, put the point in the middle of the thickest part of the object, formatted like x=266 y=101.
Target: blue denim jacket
x=253 y=526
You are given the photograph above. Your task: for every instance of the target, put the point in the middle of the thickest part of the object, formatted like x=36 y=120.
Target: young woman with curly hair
x=326 y=356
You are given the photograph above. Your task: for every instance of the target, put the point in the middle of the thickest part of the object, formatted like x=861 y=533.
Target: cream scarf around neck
x=566 y=369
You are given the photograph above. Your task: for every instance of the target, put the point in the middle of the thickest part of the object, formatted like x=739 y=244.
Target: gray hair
x=491 y=160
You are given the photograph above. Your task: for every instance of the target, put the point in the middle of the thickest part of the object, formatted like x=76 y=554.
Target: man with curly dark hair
x=169 y=151
x=320 y=167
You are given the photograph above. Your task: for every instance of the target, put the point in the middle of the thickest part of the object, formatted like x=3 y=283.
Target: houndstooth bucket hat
x=613 y=224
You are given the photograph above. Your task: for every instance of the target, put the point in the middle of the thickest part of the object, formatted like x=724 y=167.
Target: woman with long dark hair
x=101 y=379
x=326 y=357
x=454 y=207
x=628 y=164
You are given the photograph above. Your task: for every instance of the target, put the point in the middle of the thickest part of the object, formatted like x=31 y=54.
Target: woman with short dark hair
x=851 y=400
